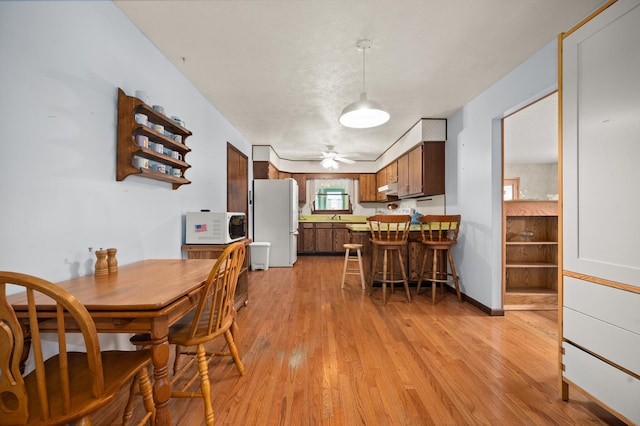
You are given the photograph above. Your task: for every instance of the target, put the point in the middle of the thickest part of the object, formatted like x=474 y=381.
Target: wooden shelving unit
x=530 y=255
x=128 y=107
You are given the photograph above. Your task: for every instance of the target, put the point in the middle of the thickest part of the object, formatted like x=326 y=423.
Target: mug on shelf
x=159 y=108
x=159 y=167
x=177 y=120
x=142 y=95
x=166 y=151
x=176 y=172
x=168 y=170
x=159 y=148
x=142 y=141
x=177 y=138
x=141 y=119
x=140 y=163
x=158 y=128
x=176 y=155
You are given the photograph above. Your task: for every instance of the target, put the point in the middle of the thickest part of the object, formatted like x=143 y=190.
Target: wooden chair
x=66 y=387
x=389 y=235
x=439 y=234
x=214 y=316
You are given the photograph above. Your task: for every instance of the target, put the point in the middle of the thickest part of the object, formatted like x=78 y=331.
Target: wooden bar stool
x=439 y=234
x=389 y=235
x=352 y=270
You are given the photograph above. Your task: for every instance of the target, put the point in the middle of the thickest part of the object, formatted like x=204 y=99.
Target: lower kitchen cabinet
x=322 y=238
x=340 y=237
x=308 y=238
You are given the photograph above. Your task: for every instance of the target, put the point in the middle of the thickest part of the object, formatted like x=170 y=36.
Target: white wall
x=473 y=171
x=62 y=63
x=538 y=181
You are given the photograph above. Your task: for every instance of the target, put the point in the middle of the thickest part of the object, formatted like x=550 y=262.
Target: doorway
x=530 y=207
x=237 y=180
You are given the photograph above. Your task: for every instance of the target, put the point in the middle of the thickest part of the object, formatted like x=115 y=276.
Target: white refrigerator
x=275 y=219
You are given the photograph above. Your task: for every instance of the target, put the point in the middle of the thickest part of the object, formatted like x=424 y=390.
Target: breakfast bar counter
x=412 y=255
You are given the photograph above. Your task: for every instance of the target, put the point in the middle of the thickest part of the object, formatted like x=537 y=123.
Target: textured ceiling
x=282 y=71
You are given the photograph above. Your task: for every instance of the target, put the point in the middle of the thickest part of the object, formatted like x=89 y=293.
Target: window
x=511 y=189
x=332 y=196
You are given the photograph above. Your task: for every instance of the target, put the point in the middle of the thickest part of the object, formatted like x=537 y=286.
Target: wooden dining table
x=143 y=297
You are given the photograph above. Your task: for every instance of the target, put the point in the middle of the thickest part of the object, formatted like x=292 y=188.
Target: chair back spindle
x=391 y=228
x=67 y=386
x=215 y=308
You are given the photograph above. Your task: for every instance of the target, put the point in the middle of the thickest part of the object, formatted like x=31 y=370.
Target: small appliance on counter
x=205 y=227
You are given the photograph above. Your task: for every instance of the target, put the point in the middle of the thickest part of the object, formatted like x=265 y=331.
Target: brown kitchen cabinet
x=403 y=175
x=324 y=237
x=387 y=175
x=340 y=237
x=421 y=171
x=308 y=238
x=264 y=170
x=301 y=179
x=392 y=172
x=213 y=251
x=127 y=149
x=530 y=255
x=367 y=188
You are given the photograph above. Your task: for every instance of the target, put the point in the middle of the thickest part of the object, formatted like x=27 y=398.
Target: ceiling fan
x=331 y=158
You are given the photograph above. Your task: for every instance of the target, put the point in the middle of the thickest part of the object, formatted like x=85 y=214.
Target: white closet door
x=601 y=146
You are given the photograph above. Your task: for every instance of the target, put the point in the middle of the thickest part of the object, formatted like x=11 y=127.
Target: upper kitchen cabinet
x=367 y=189
x=264 y=170
x=421 y=170
x=301 y=179
x=385 y=176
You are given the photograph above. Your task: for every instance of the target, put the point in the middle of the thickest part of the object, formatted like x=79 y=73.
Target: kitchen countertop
x=341 y=218
x=364 y=227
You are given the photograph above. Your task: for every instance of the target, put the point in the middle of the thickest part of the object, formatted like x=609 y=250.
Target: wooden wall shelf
x=128 y=107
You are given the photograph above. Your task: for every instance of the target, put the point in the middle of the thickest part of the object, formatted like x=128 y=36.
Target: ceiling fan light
x=363 y=114
x=329 y=163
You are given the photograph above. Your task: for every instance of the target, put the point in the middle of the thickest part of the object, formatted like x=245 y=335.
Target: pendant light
x=363 y=113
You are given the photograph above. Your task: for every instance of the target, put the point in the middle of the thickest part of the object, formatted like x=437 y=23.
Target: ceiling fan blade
x=345 y=160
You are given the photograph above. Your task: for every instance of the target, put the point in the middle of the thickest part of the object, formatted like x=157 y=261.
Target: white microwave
x=215 y=227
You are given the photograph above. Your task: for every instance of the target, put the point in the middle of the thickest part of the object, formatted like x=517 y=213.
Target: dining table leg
x=160 y=360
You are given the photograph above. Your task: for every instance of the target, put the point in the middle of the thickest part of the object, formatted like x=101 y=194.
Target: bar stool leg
x=344 y=270
x=361 y=270
x=455 y=275
x=425 y=256
x=374 y=266
x=434 y=276
x=384 y=277
x=404 y=276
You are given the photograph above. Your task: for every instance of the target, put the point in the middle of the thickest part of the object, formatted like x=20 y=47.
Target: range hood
x=389 y=189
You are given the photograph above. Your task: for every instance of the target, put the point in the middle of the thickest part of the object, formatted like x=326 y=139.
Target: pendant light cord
x=364 y=50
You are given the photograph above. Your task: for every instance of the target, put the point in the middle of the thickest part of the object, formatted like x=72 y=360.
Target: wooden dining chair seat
x=69 y=386
x=439 y=234
x=214 y=316
x=389 y=238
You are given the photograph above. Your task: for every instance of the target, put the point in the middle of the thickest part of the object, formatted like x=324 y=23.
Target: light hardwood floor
x=319 y=355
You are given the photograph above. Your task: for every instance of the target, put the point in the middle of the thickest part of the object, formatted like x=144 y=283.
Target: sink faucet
x=335 y=216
